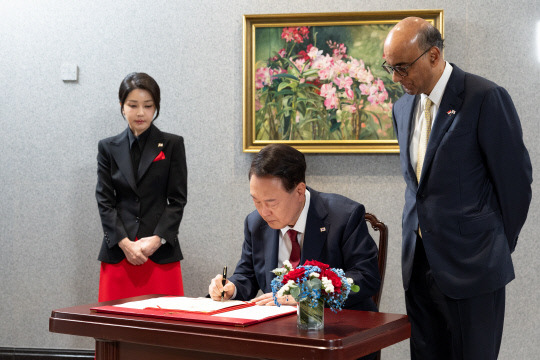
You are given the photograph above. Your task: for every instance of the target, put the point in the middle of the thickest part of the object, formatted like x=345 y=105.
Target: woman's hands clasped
x=138 y=252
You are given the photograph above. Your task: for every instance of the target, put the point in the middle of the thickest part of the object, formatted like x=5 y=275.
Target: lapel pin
x=451 y=112
x=323 y=229
x=160 y=145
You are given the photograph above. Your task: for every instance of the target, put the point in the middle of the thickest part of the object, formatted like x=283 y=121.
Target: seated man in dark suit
x=328 y=228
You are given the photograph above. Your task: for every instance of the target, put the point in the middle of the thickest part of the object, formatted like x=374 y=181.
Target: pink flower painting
x=315 y=87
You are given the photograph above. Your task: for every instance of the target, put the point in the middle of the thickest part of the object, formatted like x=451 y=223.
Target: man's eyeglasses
x=401 y=69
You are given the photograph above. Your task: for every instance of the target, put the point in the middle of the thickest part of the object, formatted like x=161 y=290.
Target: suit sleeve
x=113 y=228
x=169 y=222
x=360 y=257
x=508 y=162
x=244 y=275
x=394 y=123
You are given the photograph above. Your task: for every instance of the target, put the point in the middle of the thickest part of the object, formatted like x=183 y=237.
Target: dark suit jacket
x=153 y=205
x=345 y=243
x=475 y=187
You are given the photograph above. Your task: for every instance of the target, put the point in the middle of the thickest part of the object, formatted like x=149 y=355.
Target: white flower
x=314 y=275
x=279 y=271
x=350 y=281
x=314 y=53
x=287 y=265
x=285 y=288
x=327 y=285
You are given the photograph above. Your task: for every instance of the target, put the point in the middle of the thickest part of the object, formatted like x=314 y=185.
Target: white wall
x=49 y=227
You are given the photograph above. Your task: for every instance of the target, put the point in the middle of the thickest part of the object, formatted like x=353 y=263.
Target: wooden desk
x=348 y=334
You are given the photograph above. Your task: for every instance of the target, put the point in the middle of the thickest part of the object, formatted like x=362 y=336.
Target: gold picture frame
x=314 y=81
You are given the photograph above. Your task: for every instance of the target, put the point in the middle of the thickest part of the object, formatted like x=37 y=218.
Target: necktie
x=294 y=259
x=135 y=157
x=424 y=137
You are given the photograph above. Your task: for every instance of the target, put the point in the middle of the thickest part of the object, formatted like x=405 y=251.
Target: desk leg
x=106 y=350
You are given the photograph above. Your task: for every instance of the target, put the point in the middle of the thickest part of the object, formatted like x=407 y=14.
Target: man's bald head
x=410 y=39
x=415 y=31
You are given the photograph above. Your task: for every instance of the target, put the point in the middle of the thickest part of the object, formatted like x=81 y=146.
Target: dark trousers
x=454 y=329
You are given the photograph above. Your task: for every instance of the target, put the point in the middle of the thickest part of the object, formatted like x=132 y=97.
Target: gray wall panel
x=49 y=226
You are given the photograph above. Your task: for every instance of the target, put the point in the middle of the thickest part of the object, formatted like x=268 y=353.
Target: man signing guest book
x=296 y=223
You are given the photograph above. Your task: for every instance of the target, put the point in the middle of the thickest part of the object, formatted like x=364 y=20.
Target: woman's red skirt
x=123 y=280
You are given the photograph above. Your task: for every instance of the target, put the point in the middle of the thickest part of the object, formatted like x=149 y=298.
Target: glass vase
x=310 y=318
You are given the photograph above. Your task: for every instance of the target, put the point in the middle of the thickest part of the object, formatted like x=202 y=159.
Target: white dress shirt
x=285 y=247
x=419 y=118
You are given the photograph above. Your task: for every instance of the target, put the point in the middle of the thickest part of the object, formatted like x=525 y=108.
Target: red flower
x=303 y=55
x=298 y=37
x=336 y=280
x=321 y=265
x=304 y=31
x=294 y=275
x=298 y=34
x=288 y=33
x=317 y=83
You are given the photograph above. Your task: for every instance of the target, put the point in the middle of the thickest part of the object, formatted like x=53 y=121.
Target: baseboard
x=44 y=354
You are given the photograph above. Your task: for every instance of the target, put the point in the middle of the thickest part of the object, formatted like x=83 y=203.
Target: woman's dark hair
x=139 y=81
x=282 y=161
x=428 y=37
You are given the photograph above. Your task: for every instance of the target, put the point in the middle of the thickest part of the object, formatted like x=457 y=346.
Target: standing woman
x=141 y=193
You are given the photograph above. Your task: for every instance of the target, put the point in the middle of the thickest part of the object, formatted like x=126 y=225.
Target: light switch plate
x=69 y=72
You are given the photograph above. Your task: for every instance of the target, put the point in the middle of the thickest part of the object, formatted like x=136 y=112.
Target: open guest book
x=230 y=312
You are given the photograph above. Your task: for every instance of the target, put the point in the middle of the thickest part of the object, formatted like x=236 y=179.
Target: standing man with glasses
x=468 y=177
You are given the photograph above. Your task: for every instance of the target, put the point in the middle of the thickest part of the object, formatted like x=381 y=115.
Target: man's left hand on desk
x=268 y=300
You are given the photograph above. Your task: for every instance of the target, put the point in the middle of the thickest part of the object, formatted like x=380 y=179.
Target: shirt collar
x=438 y=91
x=141 y=138
x=300 y=225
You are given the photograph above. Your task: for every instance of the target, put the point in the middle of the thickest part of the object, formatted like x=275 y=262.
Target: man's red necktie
x=294 y=259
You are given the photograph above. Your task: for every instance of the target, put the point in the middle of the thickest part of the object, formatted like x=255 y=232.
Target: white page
x=181 y=303
x=257 y=312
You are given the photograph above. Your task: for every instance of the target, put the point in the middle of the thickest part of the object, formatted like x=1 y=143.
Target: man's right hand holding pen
x=216 y=288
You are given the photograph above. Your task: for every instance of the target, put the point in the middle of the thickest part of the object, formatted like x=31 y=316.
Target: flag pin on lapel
x=323 y=229
x=160 y=145
x=451 y=112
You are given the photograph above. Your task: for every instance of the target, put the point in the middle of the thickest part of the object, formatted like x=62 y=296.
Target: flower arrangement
x=313 y=282
x=302 y=93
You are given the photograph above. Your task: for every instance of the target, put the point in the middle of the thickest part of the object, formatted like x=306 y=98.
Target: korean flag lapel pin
x=323 y=229
x=160 y=145
x=451 y=112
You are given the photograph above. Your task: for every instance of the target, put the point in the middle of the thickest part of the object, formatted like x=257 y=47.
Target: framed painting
x=315 y=81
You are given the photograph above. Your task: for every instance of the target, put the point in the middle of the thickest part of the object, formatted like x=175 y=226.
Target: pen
x=223 y=281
